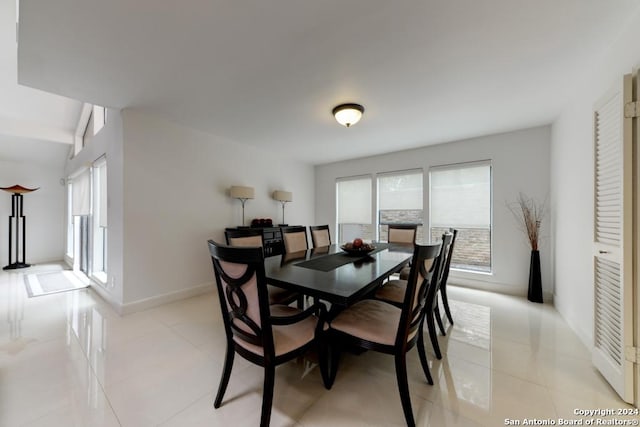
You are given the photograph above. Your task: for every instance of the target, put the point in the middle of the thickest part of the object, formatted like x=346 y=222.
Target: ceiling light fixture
x=348 y=114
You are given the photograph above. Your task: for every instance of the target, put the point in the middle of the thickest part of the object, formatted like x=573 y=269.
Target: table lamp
x=283 y=197
x=243 y=194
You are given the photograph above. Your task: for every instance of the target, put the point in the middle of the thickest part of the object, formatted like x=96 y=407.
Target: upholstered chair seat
x=392 y=291
x=286 y=338
x=370 y=320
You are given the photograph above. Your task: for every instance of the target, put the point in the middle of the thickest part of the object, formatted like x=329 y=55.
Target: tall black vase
x=535 y=279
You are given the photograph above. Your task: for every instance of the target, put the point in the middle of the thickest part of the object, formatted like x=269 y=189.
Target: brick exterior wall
x=472 y=250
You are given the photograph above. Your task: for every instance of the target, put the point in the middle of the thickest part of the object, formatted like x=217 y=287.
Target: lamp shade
x=348 y=114
x=238 y=192
x=282 y=196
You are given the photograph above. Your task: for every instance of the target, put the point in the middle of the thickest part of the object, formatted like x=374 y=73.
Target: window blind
x=81 y=194
x=461 y=196
x=401 y=191
x=354 y=200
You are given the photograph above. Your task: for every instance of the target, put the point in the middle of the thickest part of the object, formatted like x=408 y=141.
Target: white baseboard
x=106 y=296
x=155 y=301
x=502 y=288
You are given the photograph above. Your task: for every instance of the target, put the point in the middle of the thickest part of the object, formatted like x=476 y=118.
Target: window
x=99 y=229
x=87 y=221
x=69 y=251
x=354 y=205
x=99 y=115
x=460 y=197
x=400 y=201
x=81 y=209
x=92 y=120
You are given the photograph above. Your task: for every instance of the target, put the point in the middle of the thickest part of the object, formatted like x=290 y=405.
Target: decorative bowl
x=362 y=250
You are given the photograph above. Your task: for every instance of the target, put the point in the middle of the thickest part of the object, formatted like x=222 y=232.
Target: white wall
x=572 y=182
x=33 y=163
x=520 y=164
x=175 y=197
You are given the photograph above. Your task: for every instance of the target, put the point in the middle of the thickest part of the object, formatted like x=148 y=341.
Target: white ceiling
x=268 y=73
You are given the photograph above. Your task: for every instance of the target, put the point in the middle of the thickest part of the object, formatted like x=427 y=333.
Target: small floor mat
x=53 y=282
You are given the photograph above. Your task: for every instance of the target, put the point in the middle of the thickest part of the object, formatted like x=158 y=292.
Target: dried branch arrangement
x=529 y=213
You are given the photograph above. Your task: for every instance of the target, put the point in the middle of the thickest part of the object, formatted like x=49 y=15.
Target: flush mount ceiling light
x=348 y=114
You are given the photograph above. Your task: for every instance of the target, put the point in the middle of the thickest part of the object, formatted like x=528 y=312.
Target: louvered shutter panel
x=608 y=173
x=613 y=248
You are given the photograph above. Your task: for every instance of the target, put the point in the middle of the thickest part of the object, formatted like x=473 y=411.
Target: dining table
x=332 y=275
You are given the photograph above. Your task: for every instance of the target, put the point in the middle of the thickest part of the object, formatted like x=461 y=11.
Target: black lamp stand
x=18 y=222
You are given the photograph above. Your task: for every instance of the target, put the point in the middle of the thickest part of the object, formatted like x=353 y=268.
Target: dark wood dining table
x=329 y=274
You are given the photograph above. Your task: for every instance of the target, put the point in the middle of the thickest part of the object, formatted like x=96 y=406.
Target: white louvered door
x=613 y=240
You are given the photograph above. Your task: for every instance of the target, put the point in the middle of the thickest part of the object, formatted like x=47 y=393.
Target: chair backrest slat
x=439 y=270
x=423 y=268
x=242 y=290
x=447 y=267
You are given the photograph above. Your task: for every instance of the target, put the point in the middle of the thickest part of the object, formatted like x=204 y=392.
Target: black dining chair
x=295 y=238
x=394 y=291
x=404 y=273
x=246 y=237
x=378 y=326
x=266 y=335
x=320 y=235
x=402 y=233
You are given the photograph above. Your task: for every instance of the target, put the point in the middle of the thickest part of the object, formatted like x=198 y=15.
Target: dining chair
x=402 y=233
x=432 y=311
x=394 y=291
x=266 y=335
x=378 y=326
x=295 y=238
x=254 y=237
x=320 y=235
x=404 y=273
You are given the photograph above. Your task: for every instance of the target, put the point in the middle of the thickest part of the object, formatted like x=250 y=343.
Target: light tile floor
x=69 y=360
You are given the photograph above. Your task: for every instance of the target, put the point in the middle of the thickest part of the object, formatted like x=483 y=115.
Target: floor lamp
x=17 y=222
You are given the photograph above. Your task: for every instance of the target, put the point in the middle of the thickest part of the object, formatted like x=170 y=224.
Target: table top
x=343 y=285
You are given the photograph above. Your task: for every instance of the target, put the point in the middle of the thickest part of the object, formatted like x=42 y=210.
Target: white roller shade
x=81 y=194
x=461 y=196
x=400 y=191
x=354 y=201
